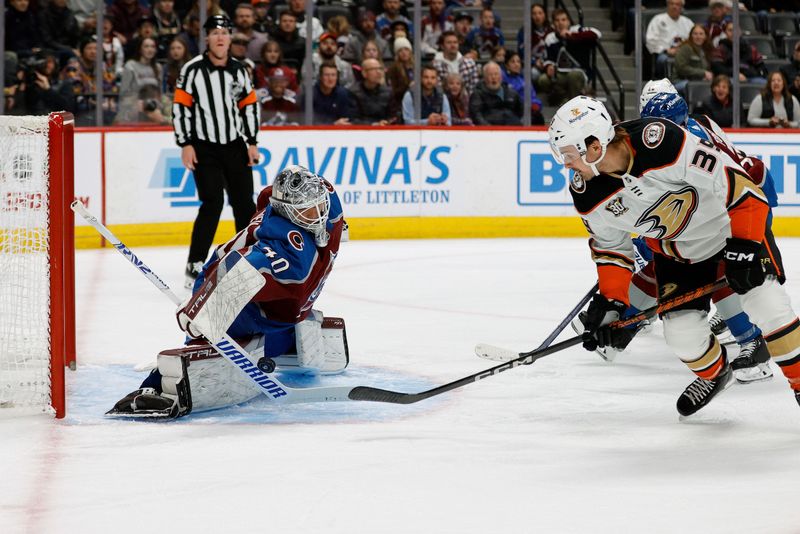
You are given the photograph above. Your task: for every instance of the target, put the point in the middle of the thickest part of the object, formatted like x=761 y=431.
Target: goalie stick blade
x=496 y=354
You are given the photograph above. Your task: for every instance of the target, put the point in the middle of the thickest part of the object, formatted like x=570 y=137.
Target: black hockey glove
x=743 y=265
x=601 y=313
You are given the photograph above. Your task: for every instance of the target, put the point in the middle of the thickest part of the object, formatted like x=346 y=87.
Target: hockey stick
x=228 y=348
x=504 y=355
x=491 y=352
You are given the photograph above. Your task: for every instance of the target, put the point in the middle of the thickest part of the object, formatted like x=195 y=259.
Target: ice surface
x=569 y=444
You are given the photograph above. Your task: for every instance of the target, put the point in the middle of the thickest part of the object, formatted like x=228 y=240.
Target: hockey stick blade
x=490 y=352
x=494 y=353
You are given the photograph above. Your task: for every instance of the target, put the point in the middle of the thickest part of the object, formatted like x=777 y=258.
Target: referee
x=215 y=115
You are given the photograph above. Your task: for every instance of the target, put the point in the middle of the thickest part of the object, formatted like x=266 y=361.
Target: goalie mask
x=302 y=197
x=574 y=122
x=652 y=88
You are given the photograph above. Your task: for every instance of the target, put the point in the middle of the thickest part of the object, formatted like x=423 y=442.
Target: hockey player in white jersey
x=702 y=216
x=752 y=362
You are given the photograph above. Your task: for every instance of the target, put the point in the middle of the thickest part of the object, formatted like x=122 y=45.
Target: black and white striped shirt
x=214 y=104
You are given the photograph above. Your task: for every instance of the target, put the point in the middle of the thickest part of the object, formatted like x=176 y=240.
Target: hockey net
x=36 y=262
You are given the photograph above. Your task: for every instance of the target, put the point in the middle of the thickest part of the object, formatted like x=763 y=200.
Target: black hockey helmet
x=218 y=21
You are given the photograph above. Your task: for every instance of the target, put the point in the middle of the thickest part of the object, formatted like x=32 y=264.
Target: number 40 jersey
x=681 y=192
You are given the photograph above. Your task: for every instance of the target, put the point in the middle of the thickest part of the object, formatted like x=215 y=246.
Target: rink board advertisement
x=393 y=183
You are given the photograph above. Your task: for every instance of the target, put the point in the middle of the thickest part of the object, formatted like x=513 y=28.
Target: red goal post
x=37 y=259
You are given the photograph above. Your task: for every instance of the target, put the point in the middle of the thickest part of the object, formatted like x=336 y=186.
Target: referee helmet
x=218 y=21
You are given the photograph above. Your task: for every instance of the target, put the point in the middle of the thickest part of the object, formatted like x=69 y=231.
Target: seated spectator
x=485 y=37
x=239 y=43
x=369 y=51
x=191 y=33
x=340 y=27
x=264 y=23
x=751 y=63
x=167 y=25
x=327 y=51
x=21 y=31
x=719 y=104
x=458 y=99
x=365 y=31
x=715 y=24
x=775 y=107
x=499 y=55
x=142 y=69
x=451 y=61
x=563 y=77
x=494 y=102
x=512 y=75
x=287 y=36
x=177 y=57
x=434 y=106
x=664 y=33
x=79 y=76
x=569 y=45
x=540 y=28
x=791 y=71
x=332 y=102
x=272 y=58
x=433 y=24
x=244 y=21
x=693 y=59
x=146 y=29
x=113 y=52
x=39 y=92
x=298 y=7
x=278 y=103
x=463 y=23
x=59 y=29
x=84 y=10
x=149 y=107
x=391 y=14
x=371 y=96
x=212 y=8
x=400 y=74
x=127 y=16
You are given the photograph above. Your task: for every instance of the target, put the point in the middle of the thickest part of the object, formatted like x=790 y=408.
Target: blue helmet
x=667 y=106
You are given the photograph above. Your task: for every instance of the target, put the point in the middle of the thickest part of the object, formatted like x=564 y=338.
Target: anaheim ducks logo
x=653 y=134
x=667 y=289
x=577 y=183
x=670 y=214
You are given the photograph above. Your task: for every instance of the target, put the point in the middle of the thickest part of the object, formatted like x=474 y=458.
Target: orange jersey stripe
x=748 y=219
x=614 y=282
x=183 y=98
x=249 y=99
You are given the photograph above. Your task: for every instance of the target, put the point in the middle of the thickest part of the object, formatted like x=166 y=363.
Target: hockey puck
x=266 y=364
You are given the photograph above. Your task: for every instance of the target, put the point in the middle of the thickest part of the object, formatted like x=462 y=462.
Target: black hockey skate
x=797 y=396
x=701 y=391
x=717 y=324
x=145 y=403
x=752 y=363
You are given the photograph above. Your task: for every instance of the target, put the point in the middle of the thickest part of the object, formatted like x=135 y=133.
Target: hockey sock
x=738 y=322
x=784 y=347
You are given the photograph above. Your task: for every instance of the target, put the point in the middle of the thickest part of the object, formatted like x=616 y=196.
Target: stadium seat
x=765 y=44
x=748 y=23
x=748 y=91
x=788 y=46
x=774 y=64
x=696 y=92
x=698 y=16
x=781 y=25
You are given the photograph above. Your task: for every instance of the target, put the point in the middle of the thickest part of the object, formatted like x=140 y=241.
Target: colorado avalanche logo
x=653 y=134
x=296 y=240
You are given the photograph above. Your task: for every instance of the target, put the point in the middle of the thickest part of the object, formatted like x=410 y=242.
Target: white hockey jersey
x=681 y=192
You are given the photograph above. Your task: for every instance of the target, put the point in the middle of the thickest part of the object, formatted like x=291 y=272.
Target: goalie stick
x=500 y=354
x=489 y=352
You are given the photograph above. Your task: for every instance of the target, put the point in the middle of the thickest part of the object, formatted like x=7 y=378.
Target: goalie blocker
x=197 y=378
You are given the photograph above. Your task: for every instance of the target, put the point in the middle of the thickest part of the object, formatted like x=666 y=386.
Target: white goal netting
x=24 y=264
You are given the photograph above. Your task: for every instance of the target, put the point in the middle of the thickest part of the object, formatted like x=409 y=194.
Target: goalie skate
x=145 y=403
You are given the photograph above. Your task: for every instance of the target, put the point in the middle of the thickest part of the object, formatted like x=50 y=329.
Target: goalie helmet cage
x=37 y=258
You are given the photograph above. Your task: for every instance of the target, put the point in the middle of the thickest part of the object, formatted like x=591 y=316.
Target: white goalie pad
x=212 y=309
x=212 y=381
x=321 y=347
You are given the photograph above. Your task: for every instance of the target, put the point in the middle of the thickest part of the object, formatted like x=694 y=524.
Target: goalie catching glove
x=743 y=267
x=597 y=333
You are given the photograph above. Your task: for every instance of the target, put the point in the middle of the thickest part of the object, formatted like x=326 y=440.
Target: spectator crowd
x=362 y=62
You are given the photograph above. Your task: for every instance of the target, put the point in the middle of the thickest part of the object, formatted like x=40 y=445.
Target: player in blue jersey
x=259 y=288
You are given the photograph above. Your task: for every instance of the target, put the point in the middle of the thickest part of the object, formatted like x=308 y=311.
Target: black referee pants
x=220 y=168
